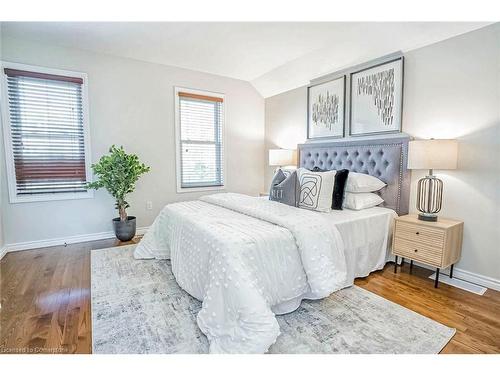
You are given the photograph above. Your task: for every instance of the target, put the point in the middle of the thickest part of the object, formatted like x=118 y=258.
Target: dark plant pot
x=124 y=230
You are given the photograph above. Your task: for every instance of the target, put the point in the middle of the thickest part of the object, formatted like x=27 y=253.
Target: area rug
x=137 y=307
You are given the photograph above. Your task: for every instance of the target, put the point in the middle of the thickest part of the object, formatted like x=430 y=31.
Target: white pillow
x=316 y=189
x=362 y=183
x=360 y=201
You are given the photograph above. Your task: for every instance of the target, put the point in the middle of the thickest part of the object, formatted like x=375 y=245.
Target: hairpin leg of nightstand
x=451 y=271
x=402 y=262
x=396 y=264
x=411 y=265
x=437 y=278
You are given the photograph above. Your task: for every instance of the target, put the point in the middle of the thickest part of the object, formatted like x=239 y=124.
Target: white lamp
x=431 y=154
x=281 y=157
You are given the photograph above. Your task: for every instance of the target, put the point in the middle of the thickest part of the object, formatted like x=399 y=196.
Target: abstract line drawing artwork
x=310 y=186
x=377 y=99
x=381 y=88
x=326 y=109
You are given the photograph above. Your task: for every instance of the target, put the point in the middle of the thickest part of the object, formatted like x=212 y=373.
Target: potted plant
x=118 y=172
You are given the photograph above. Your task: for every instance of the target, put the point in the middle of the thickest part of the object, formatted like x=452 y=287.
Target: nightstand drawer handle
x=416 y=250
x=417 y=233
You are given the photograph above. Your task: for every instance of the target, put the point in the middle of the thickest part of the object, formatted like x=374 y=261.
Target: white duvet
x=245 y=268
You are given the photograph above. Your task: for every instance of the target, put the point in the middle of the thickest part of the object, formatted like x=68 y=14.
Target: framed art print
x=377 y=99
x=325 y=103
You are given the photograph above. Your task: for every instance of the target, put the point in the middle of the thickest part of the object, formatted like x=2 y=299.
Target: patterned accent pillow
x=338 y=187
x=316 y=189
x=284 y=187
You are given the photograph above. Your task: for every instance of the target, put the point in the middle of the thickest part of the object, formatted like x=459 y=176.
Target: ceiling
x=274 y=57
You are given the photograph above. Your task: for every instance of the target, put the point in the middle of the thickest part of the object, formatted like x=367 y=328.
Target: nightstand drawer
x=418 y=251
x=421 y=234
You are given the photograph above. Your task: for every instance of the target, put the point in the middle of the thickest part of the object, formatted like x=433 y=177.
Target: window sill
x=181 y=190
x=51 y=197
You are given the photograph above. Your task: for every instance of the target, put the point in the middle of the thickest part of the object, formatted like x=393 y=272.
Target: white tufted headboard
x=384 y=158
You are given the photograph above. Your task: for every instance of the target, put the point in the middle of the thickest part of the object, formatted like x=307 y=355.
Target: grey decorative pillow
x=285 y=188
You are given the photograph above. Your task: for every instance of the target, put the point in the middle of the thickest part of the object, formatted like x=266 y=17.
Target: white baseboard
x=486 y=281
x=3 y=251
x=471 y=277
x=29 y=245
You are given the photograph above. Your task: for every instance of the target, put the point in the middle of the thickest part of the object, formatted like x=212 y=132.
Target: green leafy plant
x=117 y=173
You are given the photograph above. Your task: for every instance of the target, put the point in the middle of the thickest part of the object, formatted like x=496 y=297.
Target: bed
x=248 y=258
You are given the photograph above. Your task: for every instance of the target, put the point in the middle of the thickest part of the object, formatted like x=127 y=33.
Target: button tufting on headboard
x=384 y=158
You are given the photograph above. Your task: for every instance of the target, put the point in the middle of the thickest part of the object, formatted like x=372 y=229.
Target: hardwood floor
x=45 y=302
x=476 y=318
x=45 y=297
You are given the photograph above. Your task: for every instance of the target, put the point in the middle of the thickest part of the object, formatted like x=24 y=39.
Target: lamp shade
x=281 y=157
x=432 y=154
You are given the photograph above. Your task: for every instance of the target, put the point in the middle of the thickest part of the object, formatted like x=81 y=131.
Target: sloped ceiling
x=275 y=57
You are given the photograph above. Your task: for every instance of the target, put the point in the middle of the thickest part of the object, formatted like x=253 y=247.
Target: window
x=45 y=130
x=199 y=130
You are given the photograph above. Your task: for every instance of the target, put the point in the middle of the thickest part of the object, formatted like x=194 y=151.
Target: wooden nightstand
x=437 y=244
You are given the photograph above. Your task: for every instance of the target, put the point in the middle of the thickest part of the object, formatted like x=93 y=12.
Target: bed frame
x=384 y=158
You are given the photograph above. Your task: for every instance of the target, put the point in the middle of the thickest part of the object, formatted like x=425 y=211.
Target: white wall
x=132 y=104
x=451 y=90
x=286 y=119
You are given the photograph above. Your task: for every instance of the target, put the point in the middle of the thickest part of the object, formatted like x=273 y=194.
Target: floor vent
x=457 y=283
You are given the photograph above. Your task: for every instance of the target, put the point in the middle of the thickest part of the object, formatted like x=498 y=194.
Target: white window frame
x=7 y=135
x=181 y=189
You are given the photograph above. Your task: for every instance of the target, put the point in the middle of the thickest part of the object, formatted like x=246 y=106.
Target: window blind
x=47 y=132
x=201 y=147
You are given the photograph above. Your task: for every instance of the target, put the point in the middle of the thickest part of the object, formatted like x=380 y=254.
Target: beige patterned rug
x=137 y=307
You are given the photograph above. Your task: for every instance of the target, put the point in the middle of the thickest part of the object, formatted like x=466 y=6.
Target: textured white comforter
x=246 y=267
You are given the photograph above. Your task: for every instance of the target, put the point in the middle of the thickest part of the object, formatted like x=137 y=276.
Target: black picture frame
x=342 y=135
x=400 y=93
